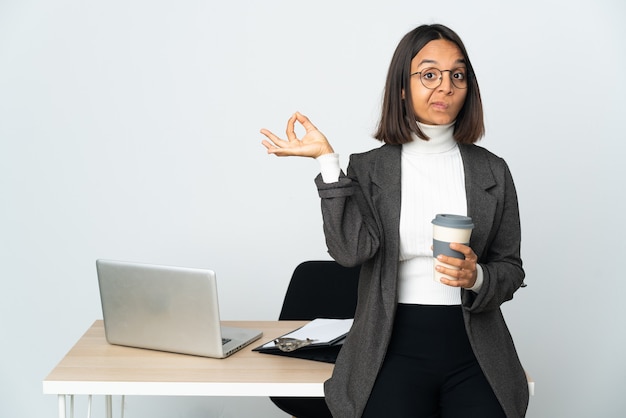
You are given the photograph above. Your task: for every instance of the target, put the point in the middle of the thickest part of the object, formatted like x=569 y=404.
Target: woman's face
x=441 y=105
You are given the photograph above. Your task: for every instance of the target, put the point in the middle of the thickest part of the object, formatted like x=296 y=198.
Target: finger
x=449 y=270
x=456 y=283
x=305 y=122
x=291 y=128
x=273 y=139
x=452 y=261
x=271 y=148
x=460 y=278
x=449 y=276
x=286 y=152
x=269 y=134
x=470 y=256
x=452 y=283
x=464 y=274
x=465 y=250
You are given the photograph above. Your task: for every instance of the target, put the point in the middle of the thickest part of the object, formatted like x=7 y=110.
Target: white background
x=129 y=130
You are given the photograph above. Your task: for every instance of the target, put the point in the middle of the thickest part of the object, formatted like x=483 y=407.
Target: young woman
x=420 y=347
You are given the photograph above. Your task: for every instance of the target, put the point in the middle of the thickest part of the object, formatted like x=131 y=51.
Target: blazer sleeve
x=350 y=229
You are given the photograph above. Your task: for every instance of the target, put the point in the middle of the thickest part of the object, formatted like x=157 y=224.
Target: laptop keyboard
x=225 y=340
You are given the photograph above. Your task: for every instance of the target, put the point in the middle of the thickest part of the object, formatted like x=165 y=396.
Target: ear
x=403 y=95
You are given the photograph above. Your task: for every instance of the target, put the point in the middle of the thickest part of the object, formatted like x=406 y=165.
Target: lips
x=440 y=105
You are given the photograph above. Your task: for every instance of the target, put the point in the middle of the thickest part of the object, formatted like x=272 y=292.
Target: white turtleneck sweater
x=432 y=182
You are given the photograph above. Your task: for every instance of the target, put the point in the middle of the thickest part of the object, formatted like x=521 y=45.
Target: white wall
x=129 y=130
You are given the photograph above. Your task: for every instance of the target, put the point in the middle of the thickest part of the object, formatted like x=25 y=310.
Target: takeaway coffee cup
x=449 y=228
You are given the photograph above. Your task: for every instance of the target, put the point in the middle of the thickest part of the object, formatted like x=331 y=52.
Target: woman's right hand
x=312 y=144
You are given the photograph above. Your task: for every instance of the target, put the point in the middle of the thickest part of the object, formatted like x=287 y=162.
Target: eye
x=459 y=74
x=430 y=74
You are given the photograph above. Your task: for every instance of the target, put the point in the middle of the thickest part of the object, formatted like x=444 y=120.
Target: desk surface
x=96 y=367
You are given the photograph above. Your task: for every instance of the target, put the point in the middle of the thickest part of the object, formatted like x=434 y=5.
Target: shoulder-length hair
x=397 y=121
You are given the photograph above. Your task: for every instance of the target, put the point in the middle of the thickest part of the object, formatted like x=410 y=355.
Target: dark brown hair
x=397 y=121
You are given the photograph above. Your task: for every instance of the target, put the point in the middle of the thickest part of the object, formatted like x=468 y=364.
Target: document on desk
x=322 y=331
x=319 y=340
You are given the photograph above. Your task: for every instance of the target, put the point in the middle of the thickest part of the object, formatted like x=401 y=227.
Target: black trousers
x=430 y=370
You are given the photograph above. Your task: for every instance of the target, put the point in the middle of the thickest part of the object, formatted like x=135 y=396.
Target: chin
x=439 y=121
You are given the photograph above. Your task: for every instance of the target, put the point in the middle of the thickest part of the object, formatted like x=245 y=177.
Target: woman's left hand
x=466 y=273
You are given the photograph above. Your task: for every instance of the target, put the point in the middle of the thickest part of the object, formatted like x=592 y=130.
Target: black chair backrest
x=321 y=289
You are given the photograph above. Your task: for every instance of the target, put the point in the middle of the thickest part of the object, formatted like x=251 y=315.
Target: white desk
x=94 y=367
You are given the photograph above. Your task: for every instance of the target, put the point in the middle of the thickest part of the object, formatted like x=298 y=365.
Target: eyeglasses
x=431 y=78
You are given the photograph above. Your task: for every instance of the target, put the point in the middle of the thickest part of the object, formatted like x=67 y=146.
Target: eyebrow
x=428 y=61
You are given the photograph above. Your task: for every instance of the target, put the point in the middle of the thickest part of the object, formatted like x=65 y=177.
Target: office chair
x=318 y=289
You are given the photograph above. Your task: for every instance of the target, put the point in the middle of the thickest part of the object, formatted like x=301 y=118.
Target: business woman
x=420 y=347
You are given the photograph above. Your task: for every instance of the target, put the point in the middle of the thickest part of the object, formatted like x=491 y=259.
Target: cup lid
x=453 y=221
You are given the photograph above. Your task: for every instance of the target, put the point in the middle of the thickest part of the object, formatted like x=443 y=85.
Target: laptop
x=166 y=308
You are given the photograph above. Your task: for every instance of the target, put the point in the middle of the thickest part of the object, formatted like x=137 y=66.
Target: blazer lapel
x=481 y=205
x=386 y=188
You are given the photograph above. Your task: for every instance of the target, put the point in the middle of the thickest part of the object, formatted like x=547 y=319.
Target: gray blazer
x=361 y=214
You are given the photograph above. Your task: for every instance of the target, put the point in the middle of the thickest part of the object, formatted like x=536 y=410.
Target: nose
x=446 y=82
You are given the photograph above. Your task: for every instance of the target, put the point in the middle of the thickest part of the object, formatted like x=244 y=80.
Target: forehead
x=438 y=52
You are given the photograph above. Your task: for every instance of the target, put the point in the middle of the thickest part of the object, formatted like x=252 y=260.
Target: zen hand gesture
x=312 y=144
